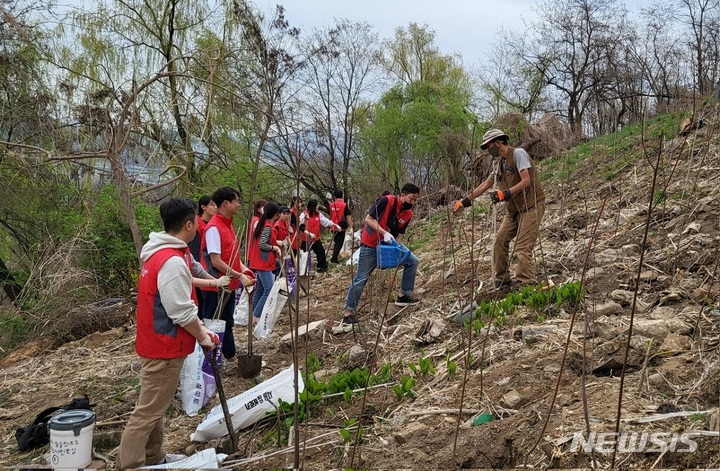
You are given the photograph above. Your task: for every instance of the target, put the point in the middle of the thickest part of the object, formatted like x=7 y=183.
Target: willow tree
x=419 y=130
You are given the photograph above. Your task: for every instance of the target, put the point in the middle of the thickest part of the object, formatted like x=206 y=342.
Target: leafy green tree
x=419 y=130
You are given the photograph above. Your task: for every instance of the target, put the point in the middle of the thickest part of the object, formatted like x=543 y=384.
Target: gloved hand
x=500 y=195
x=463 y=203
x=388 y=238
x=222 y=282
x=247 y=278
x=210 y=340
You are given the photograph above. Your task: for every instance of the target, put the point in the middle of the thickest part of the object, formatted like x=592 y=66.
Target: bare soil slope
x=515 y=370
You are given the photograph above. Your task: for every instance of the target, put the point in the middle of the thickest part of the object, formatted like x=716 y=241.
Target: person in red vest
x=282 y=227
x=264 y=252
x=311 y=220
x=385 y=221
x=167 y=328
x=257 y=212
x=206 y=210
x=340 y=215
x=282 y=233
x=295 y=205
x=220 y=252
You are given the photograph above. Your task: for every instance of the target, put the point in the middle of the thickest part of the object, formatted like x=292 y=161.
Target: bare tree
x=702 y=18
x=341 y=76
x=572 y=47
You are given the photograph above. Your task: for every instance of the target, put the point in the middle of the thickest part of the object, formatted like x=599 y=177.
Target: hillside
x=518 y=365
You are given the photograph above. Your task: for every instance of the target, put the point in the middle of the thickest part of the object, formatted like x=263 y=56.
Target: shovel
x=249 y=365
x=223 y=401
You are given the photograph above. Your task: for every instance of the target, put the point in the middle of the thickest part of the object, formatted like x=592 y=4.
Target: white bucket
x=71 y=439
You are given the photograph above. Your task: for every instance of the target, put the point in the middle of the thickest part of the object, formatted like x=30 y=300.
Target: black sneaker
x=406 y=300
x=351 y=319
x=334 y=261
x=321 y=269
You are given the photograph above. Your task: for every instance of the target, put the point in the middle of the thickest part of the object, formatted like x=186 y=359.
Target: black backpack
x=37 y=433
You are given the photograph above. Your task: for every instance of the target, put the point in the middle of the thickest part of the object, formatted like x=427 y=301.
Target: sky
x=466 y=27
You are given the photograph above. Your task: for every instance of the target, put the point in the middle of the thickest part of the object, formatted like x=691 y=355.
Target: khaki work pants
x=525 y=229
x=142 y=439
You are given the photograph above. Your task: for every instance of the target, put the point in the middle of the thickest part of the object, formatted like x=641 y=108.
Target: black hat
x=283 y=209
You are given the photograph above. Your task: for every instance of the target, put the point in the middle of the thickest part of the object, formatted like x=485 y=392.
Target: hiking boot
x=351 y=319
x=406 y=300
x=504 y=284
x=172 y=458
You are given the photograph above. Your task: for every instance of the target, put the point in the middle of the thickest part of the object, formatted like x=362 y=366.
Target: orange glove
x=460 y=204
x=500 y=195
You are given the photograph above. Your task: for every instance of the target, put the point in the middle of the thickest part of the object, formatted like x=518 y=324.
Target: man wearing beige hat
x=520 y=189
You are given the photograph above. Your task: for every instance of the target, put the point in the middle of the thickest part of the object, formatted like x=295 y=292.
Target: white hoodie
x=174 y=278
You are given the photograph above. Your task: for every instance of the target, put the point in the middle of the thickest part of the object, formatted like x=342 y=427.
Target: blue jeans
x=265 y=280
x=367 y=264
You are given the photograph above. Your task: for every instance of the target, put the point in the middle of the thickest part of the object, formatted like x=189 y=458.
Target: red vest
x=312 y=224
x=157 y=336
x=294 y=239
x=201 y=226
x=337 y=211
x=371 y=238
x=281 y=229
x=264 y=261
x=250 y=236
x=229 y=247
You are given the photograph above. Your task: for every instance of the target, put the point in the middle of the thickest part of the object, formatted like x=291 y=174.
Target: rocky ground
x=545 y=375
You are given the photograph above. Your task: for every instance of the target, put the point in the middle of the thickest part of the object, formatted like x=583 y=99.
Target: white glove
x=222 y=282
x=310 y=234
x=210 y=340
x=388 y=238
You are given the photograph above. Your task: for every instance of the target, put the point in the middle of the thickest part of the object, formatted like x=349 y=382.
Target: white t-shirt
x=212 y=240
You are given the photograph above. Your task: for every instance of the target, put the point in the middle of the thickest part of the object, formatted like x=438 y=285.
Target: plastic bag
x=205 y=459
x=242 y=307
x=273 y=307
x=251 y=406
x=305 y=264
x=197 y=382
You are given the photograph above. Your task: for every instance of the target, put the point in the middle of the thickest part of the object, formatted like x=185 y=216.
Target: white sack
x=205 y=459
x=274 y=305
x=249 y=407
x=197 y=382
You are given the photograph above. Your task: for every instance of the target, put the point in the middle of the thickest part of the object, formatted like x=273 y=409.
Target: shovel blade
x=249 y=366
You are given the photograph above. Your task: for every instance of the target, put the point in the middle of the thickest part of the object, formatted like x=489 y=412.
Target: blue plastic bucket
x=391 y=255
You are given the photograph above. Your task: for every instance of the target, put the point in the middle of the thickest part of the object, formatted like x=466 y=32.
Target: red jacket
x=157 y=336
x=371 y=238
x=261 y=260
x=229 y=248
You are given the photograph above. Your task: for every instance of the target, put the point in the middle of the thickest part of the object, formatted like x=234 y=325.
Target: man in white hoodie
x=167 y=328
